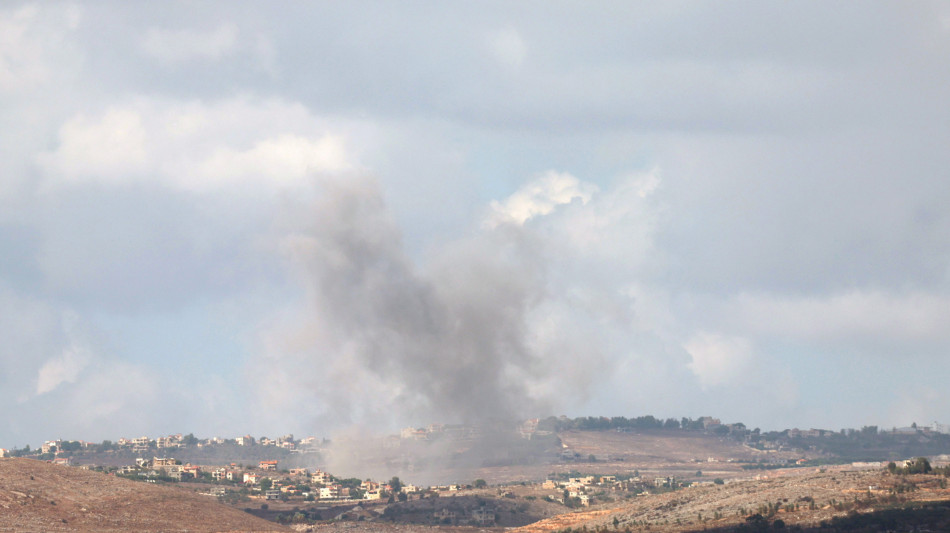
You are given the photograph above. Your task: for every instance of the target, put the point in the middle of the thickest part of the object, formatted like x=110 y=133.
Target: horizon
x=332 y=216
x=325 y=439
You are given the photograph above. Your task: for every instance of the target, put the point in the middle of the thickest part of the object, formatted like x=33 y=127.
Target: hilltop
x=38 y=496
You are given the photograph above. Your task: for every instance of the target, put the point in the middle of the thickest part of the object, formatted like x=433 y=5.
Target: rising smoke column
x=449 y=342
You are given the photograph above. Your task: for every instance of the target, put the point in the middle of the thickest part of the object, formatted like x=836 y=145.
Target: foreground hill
x=38 y=496
x=805 y=498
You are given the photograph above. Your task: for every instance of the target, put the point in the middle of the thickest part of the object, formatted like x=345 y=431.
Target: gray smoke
x=450 y=340
x=446 y=343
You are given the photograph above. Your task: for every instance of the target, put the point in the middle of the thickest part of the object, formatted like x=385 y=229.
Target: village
x=269 y=486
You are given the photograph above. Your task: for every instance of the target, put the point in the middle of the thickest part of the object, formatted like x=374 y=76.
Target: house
x=299 y=472
x=413 y=434
x=163 y=461
x=372 y=494
x=51 y=446
x=246 y=440
x=64 y=461
x=171 y=441
x=219 y=474
x=4 y=452
x=585 y=500
x=267 y=465
x=251 y=478
x=192 y=470
x=549 y=484
x=272 y=494
x=445 y=515
x=140 y=444
x=331 y=492
x=321 y=477
x=369 y=485
x=483 y=516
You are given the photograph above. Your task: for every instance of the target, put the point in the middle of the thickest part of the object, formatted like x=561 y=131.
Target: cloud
x=183 y=45
x=33 y=40
x=197 y=147
x=63 y=369
x=719 y=360
x=111 y=147
x=286 y=158
x=541 y=197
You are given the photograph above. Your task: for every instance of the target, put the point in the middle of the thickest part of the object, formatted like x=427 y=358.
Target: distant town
x=247 y=468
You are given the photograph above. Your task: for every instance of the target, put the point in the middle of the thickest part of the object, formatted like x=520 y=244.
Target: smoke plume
x=447 y=343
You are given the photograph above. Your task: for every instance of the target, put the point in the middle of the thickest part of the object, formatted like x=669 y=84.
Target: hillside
x=796 y=497
x=38 y=496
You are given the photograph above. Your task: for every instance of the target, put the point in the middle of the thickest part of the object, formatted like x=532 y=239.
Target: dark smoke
x=447 y=343
x=453 y=338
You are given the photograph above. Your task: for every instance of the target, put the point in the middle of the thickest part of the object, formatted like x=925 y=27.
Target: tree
x=396 y=485
x=189 y=440
x=480 y=484
x=266 y=483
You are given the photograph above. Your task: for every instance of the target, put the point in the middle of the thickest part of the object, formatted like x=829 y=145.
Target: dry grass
x=38 y=496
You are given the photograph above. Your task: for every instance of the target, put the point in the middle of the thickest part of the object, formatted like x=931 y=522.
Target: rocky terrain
x=38 y=496
x=796 y=497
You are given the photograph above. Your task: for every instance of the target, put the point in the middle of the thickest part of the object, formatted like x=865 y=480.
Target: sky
x=256 y=217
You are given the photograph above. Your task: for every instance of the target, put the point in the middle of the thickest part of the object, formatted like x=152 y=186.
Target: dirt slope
x=816 y=496
x=38 y=496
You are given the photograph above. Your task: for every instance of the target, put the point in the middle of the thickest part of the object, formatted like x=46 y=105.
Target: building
x=321 y=477
x=483 y=516
x=268 y=465
x=4 y=452
x=171 y=441
x=251 y=478
x=140 y=444
x=331 y=492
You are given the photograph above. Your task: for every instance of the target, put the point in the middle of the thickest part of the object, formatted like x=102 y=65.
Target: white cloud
x=177 y=46
x=283 y=159
x=32 y=41
x=194 y=146
x=717 y=359
x=109 y=147
x=541 y=197
x=63 y=369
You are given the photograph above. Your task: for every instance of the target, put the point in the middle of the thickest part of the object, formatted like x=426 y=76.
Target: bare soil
x=38 y=496
x=835 y=493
